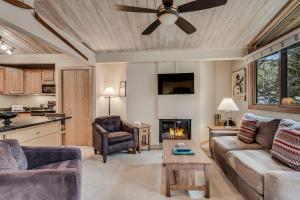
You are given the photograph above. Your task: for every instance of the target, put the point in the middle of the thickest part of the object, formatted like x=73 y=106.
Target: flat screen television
x=179 y=83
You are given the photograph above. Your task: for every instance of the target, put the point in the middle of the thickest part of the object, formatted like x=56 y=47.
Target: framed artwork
x=122 y=89
x=239 y=85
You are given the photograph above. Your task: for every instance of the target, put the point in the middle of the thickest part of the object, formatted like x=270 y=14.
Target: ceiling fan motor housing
x=168 y=15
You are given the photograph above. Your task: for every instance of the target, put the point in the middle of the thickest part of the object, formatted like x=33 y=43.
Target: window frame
x=283 y=88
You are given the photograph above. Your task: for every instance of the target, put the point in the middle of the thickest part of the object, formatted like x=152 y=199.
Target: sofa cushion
x=18 y=153
x=7 y=161
x=68 y=164
x=222 y=145
x=252 y=165
x=247 y=131
x=286 y=147
x=266 y=132
x=288 y=123
x=250 y=116
x=119 y=136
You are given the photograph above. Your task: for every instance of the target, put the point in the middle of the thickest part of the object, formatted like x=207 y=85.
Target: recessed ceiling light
x=9 y=51
x=3 y=46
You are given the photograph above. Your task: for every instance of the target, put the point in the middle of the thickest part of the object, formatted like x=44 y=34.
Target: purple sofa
x=36 y=173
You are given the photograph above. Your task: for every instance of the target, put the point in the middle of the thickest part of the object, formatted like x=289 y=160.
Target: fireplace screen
x=174 y=129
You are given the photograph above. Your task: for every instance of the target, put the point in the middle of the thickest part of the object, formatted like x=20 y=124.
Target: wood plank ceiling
x=25 y=43
x=94 y=23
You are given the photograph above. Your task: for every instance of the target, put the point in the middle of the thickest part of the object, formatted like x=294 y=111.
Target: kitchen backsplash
x=26 y=101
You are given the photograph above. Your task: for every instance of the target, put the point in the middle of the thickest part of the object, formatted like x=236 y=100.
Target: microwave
x=48 y=88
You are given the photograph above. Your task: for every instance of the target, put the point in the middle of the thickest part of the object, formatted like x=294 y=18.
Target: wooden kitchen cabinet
x=2 y=79
x=13 y=81
x=32 y=81
x=42 y=135
x=47 y=75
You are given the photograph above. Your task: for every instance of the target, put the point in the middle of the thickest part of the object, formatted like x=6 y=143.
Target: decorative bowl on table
x=6 y=116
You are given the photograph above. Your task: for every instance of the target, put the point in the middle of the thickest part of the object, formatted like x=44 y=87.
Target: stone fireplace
x=174 y=129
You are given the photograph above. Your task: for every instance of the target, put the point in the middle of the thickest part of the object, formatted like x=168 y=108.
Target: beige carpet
x=141 y=176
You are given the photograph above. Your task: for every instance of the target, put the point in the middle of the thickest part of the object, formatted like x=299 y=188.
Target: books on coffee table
x=182 y=149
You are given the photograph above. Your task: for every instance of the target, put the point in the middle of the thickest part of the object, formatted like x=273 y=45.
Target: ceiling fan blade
x=167 y=2
x=152 y=27
x=186 y=26
x=200 y=5
x=133 y=9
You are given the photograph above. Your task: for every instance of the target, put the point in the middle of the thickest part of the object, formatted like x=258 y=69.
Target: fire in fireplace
x=174 y=129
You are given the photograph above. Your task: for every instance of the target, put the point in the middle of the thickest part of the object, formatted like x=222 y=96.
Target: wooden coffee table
x=180 y=169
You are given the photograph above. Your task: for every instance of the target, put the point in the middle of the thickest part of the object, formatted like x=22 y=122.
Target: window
x=275 y=81
x=267 y=80
x=293 y=74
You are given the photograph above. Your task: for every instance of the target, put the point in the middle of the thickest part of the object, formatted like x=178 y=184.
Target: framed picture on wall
x=122 y=89
x=239 y=86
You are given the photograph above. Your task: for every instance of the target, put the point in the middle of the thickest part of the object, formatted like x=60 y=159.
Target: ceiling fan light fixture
x=3 y=46
x=9 y=51
x=168 y=18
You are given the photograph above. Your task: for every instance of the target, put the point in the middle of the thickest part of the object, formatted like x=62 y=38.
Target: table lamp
x=109 y=92
x=228 y=105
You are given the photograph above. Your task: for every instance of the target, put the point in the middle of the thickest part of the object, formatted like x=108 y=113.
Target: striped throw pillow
x=286 y=147
x=247 y=131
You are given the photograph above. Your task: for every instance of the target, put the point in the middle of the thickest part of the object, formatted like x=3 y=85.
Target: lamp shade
x=228 y=104
x=109 y=92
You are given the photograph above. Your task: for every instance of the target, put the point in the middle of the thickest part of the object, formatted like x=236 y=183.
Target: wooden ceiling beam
x=282 y=14
x=19 y=4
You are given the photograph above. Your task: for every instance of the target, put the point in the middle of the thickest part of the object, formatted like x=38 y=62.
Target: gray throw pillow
x=7 y=161
x=266 y=132
x=18 y=153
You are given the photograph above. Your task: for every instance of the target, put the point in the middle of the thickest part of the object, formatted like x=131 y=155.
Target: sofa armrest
x=282 y=185
x=131 y=129
x=39 y=156
x=99 y=129
x=50 y=184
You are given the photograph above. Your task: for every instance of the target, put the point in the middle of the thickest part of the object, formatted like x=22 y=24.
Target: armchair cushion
x=18 y=153
x=7 y=161
x=118 y=137
x=110 y=123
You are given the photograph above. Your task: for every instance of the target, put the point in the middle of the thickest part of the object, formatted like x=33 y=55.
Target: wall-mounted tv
x=179 y=83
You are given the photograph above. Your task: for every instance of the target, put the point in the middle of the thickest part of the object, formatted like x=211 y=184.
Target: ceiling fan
x=169 y=13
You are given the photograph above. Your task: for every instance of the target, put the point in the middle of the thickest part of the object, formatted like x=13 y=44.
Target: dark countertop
x=18 y=123
x=29 y=109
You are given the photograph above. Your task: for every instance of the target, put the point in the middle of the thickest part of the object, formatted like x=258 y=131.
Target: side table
x=144 y=133
x=216 y=131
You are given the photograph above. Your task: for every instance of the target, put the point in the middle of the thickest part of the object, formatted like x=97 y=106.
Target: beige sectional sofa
x=252 y=169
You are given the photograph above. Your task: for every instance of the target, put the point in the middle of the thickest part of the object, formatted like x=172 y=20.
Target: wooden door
x=48 y=75
x=32 y=81
x=2 y=79
x=76 y=102
x=14 y=81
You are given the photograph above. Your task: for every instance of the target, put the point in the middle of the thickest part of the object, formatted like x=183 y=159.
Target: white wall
x=223 y=82
x=145 y=105
x=110 y=75
x=212 y=84
x=243 y=105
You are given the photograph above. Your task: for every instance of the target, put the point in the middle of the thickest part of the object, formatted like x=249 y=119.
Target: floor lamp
x=109 y=92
